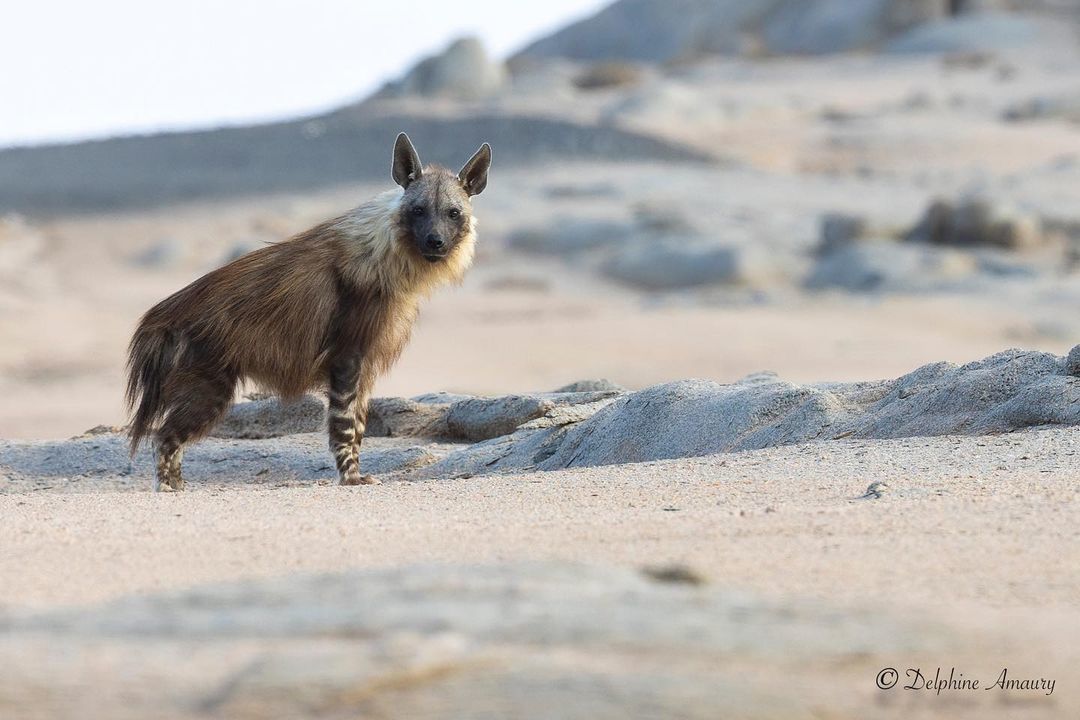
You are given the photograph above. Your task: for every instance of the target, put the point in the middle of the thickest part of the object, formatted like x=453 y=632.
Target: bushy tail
x=151 y=358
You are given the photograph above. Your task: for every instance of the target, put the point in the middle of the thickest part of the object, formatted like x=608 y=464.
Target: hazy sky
x=75 y=69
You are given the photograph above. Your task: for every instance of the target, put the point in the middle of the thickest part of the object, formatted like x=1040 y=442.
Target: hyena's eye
x=454 y=213
x=418 y=211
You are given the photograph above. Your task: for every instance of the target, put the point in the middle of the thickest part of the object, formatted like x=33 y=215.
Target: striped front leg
x=348 y=410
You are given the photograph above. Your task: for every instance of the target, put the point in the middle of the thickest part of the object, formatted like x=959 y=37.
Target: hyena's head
x=436 y=209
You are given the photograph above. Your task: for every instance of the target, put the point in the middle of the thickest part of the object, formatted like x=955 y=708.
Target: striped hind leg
x=196 y=399
x=350 y=389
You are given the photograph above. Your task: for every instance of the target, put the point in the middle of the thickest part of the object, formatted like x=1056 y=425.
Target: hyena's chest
x=376 y=330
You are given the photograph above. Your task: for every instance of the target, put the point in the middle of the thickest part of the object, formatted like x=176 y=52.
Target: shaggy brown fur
x=331 y=307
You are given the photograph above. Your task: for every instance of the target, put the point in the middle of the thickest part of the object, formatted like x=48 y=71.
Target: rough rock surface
x=598 y=385
x=532 y=641
x=1009 y=391
x=269 y=417
x=102 y=460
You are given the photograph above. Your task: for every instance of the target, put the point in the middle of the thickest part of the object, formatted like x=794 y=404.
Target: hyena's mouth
x=433 y=258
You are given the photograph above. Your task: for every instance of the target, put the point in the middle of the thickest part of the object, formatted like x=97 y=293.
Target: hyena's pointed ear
x=406 y=166
x=473 y=176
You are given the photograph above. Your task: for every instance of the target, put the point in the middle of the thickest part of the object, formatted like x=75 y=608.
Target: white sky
x=72 y=69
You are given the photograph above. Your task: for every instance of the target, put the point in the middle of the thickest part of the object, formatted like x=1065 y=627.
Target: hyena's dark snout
x=434 y=247
x=434 y=242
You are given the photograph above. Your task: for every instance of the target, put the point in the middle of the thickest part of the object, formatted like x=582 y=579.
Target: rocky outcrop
x=463 y=71
x=664 y=31
x=1009 y=391
x=267 y=417
x=443 y=436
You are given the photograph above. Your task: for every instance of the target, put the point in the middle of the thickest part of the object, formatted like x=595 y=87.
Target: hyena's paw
x=355 y=478
x=168 y=484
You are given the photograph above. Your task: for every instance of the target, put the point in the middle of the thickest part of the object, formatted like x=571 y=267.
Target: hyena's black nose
x=434 y=242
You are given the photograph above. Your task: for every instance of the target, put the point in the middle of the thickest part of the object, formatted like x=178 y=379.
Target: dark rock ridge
x=346 y=146
x=676 y=30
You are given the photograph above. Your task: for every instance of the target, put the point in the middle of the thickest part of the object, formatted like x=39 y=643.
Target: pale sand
x=967 y=522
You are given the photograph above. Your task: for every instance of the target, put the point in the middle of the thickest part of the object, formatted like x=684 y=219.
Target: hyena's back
x=265 y=316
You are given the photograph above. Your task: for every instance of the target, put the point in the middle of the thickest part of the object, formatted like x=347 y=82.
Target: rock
x=401 y=417
x=609 y=74
x=583 y=191
x=239 y=249
x=978 y=222
x=463 y=71
x=1072 y=362
x=569 y=236
x=1009 y=391
x=982 y=32
x=886 y=266
x=446 y=641
x=101 y=461
x=163 y=253
x=829 y=26
x=1066 y=107
x=657 y=218
x=660 y=31
x=459 y=418
x=839 y=229
x=485 y=418
x=674 y=263
x=272 y=417
x=441 y=397
x=600 y=385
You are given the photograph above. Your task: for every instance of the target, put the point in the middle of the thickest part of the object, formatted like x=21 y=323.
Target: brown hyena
x=331 y=307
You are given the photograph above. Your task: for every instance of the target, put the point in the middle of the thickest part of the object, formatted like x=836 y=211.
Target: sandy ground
x=984 y=522
x=972 y=542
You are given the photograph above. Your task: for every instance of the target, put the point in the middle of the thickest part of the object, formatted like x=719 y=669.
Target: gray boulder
x=1053 y=107
x=887 y=266
x=1009 y=391
x=600 y=385
x=462 y=71
x=827 y=26
x=1072 y=362
x=1005 y=392
x=466 y=418
x=485 y=418
x=163 y=253
x=570 y=236
x=673 y=263
x=978 y=222
x=272 y=417
x=840 y=229
x=402 y=417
